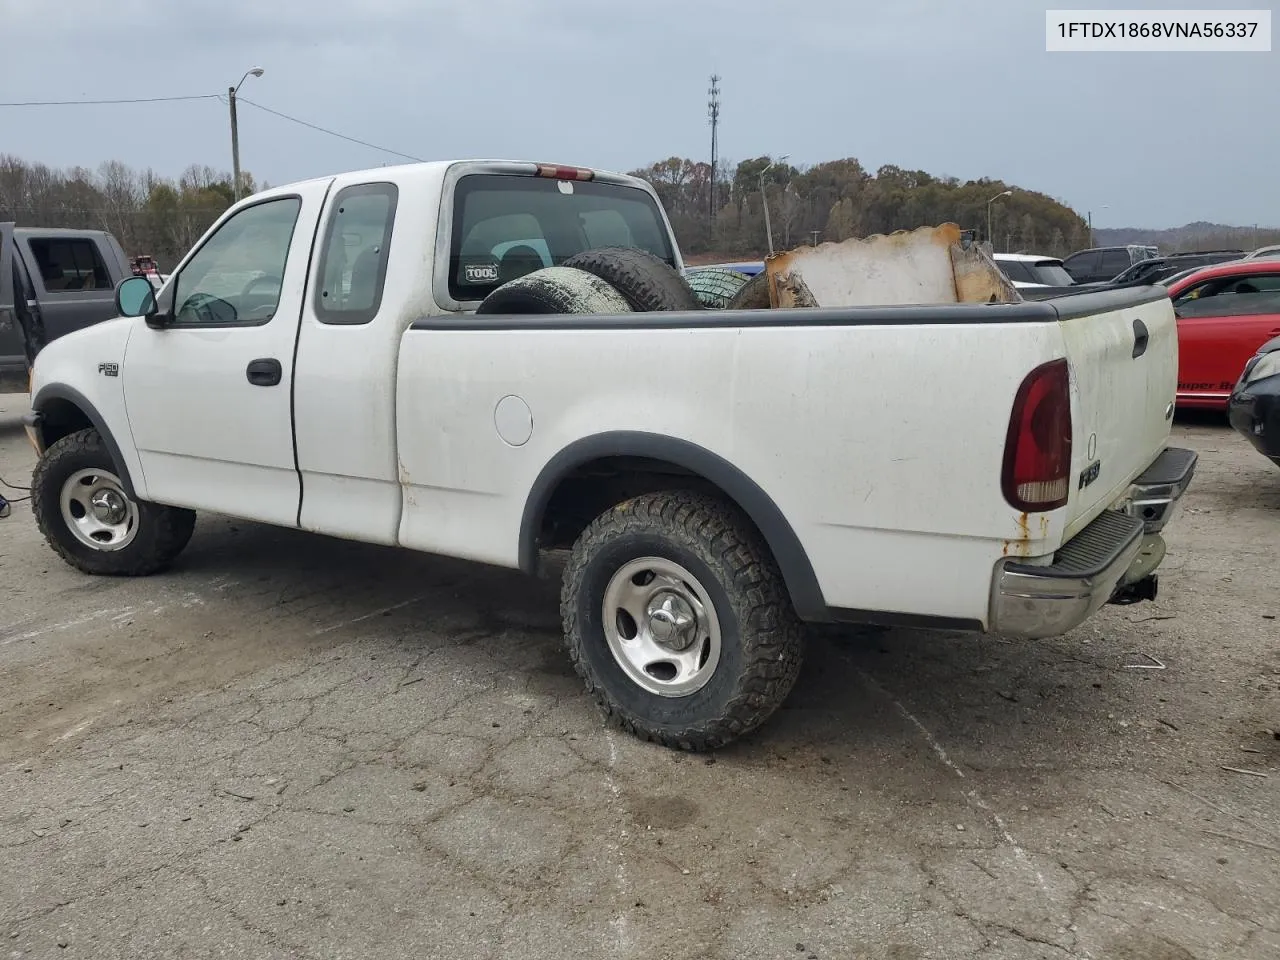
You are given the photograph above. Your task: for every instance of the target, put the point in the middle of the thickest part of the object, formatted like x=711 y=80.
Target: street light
x=235 y=130
x=1103 y=207
x=764 y=200
x=991 y=239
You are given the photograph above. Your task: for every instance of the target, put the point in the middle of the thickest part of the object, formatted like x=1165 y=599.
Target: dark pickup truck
x=52 y=281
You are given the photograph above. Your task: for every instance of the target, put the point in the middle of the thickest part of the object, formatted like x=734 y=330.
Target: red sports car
x=1225 y=313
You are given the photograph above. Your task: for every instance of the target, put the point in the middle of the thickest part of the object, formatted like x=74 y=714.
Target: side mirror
x=135 y=297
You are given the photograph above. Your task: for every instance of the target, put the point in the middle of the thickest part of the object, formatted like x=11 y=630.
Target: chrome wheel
x=97 y=511
x=661 y=627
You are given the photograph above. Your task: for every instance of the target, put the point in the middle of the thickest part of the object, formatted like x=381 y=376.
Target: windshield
x=1052 y=273
x=507 y=226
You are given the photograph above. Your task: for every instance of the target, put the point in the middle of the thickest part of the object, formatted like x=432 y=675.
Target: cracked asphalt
x=297 y=747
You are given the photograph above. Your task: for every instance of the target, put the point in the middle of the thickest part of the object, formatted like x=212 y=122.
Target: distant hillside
x=1191 y=237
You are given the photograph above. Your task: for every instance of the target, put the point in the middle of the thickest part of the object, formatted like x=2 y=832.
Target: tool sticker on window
x=481 y=272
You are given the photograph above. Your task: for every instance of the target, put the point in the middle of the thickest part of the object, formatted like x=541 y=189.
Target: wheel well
x=593 y=487
x=60 y=418
x=595 y=474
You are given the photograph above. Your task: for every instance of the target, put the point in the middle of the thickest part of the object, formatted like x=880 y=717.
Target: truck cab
x=52 y=282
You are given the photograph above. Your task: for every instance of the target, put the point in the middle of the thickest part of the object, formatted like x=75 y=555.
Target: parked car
x=1100 y=264
x=52 y=282
x=1254 y=408
x=1225 y=312
x=1265 y=253
x=1156 y=269
x=1027 y=270
x=402 y=393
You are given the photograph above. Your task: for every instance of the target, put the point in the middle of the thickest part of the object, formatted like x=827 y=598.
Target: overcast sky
x=955 y=88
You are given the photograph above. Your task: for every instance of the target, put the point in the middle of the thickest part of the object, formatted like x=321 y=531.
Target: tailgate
x=1122 y=347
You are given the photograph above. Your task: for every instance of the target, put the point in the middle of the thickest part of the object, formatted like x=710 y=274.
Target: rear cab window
x=1051 y=273
x=505 y=226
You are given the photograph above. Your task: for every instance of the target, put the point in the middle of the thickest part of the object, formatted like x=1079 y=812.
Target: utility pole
x=235 y=131
x=235 y=147
x=764 y=200
x=713 y=117
x=991 y=239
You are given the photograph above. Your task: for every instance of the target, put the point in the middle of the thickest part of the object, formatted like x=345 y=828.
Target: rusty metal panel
x=923 y=266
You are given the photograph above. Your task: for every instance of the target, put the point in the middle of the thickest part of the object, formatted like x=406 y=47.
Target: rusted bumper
x=1103 y=563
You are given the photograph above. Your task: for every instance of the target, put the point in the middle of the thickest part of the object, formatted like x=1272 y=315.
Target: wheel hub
x=108 y=506
x=672 y=621
x=96 y=511
x=661 y=627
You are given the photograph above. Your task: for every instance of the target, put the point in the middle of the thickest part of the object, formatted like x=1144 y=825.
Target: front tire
x=678 y=621
x=89 y=520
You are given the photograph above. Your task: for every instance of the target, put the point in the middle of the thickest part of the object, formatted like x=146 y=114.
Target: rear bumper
x=1120 y=549
x=1255 y=415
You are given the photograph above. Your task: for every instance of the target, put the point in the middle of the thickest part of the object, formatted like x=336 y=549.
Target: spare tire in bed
x=555 y=290
x=754 y=294
x=715 y=286
x=648 y=282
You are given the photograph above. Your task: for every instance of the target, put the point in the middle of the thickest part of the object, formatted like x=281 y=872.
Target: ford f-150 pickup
x=457 y=358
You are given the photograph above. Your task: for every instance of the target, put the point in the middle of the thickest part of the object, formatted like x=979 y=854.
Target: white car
x=1266 y=253
x=717 y=476
x=1027 y=270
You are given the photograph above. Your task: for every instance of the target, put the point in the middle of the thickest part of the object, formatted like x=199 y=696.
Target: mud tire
x=647 y=282
x=162 y=532
x=761 y=638
x=555 y=290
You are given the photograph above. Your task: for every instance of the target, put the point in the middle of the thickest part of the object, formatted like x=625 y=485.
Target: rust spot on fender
x=1021 y=545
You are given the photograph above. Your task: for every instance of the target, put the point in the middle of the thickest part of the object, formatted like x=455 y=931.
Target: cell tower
x=713 y=117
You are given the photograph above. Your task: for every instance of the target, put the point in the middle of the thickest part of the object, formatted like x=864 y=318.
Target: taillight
x=1037 y=451
x=564 y=173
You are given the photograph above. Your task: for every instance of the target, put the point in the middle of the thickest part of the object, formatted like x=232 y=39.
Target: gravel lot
x=296 y=747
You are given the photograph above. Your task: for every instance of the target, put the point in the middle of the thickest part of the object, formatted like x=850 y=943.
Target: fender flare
x=792 y=560
x=58 y=391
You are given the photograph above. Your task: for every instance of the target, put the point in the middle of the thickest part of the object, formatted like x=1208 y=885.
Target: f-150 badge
x=109 y=369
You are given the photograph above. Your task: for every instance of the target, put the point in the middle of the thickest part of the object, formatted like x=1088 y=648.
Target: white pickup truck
x=441 y=357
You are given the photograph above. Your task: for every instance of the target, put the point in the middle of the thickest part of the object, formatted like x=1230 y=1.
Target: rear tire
x=555 y=290
x=647 y=282
x=713 y=646
x=89 y=520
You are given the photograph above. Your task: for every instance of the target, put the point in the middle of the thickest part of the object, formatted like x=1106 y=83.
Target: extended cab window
x=1238 y=296
x=235 y=277
x=507 y=226
x=353 y=260
x=70 y=264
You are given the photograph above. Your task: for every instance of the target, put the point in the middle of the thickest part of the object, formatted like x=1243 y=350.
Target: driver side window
x=235 y=278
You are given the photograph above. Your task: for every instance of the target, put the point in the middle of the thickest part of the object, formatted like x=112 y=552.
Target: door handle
x=265 y=372
x=1141 y=337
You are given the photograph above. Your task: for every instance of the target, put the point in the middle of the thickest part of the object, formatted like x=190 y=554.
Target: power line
x=332 y=133
x=90 y=103
x=209 y=96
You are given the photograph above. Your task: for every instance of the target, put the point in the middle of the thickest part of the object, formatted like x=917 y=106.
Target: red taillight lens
x=1037 y=451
